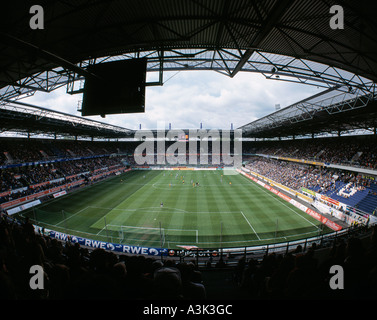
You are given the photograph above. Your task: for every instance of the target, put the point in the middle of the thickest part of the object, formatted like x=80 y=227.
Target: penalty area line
x=248 y=222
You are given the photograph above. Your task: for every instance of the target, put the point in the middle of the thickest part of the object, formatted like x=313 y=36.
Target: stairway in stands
x=369 y=203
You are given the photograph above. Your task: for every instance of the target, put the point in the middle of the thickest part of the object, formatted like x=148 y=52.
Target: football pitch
x=169 y=208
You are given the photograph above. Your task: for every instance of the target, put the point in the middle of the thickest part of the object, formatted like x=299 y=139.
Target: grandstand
x=76 y=200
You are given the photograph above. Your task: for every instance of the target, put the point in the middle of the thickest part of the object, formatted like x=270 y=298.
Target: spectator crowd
x=295 y=175
x=74 y=272
x=355 y=151
x=71 y=271
x=22 y=172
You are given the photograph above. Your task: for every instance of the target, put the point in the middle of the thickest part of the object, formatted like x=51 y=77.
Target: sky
x=189 y=98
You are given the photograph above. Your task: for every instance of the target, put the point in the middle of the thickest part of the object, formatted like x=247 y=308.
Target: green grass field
x=223 y=211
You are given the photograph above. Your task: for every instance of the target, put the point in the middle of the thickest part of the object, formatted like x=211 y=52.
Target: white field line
x=73 y=215
x=281 y=201
x=250 y=225
x=159 y=209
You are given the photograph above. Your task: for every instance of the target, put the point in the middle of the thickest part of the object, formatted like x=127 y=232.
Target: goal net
x=156 y=236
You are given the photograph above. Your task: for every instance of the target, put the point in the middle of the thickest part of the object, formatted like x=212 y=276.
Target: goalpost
x=158 y=235
x=142 y=233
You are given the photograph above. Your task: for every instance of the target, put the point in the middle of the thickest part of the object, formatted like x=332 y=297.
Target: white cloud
x=57 y=100
x=191 y=97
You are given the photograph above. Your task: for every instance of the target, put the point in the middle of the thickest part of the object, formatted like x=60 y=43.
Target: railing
x=231 y=256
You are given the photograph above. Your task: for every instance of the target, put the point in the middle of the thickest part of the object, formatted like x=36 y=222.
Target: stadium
x=261 y=211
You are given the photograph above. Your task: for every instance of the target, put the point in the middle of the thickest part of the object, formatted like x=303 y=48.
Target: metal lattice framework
x=20 y=117
x=332 y=110
x=272 y=66
x=285 y=40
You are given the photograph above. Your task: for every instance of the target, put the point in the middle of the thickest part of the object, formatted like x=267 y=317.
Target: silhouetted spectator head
x=167 y=282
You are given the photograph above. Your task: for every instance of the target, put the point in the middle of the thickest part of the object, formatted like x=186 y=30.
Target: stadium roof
x=287 y=40
x=21 y=117
x=331 y=111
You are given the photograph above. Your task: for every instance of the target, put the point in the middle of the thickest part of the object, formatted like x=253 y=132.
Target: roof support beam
x=160 y=81
x=18 y=43
x=268 y=25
